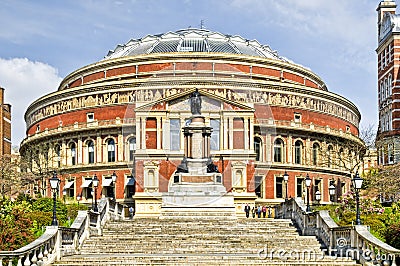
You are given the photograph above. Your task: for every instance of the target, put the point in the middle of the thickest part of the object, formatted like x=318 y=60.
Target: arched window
x=257 y=148
x=57 y=150
x=72 y=148
x=132 y=148
x=298 y=151
x=90 y=151
x=111 y=150
x=315 y=152
x=278 y=151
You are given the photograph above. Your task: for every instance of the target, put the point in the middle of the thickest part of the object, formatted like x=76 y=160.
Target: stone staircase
x=153 y=241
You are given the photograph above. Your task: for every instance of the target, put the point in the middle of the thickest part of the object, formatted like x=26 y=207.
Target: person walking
x=247 y=210
x=131 y=210
x=264 y=211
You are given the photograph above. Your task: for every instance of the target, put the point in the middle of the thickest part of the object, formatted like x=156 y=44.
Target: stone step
x=205 y=259
x=202 y=241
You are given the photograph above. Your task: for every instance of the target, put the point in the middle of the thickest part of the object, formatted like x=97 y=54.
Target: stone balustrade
x=355 y=242
x=58 y=241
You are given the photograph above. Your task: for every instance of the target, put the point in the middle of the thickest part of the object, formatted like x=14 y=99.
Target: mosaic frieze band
x=150 y=95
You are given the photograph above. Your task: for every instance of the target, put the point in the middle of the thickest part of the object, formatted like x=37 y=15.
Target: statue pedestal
x=197 y=200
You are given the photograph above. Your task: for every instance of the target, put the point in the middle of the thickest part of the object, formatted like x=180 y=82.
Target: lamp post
x=95 y=184
x=308 y=184
x=286 y=179
x=332 y=190
x=54 y=183
x=78 y=198
x=114 y=179
x=357 y=184
x=318 y=196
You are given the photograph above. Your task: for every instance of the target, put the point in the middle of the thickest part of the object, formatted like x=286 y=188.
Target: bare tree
x=12 y=180
x=39 y=160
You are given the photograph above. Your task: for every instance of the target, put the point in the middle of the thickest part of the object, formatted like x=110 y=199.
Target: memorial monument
x=197 y=189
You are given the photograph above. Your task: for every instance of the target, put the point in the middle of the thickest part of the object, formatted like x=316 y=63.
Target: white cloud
x=24 y=81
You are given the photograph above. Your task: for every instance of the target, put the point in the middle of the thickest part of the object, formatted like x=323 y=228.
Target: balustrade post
x=27 y=262
x=40 y=256
x=34 y=259
x=19 y=261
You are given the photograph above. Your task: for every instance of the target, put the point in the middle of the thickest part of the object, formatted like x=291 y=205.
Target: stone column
x=143 y=132
x=137 y=133
x=246 y=133
x=120 y=148
x=99 y=149
x=225 y=127
x=158 y=133
x=80 y=152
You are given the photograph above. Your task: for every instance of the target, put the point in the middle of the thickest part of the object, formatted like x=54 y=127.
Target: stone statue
x=195 y=103
x=183 y=168
x=211 y=167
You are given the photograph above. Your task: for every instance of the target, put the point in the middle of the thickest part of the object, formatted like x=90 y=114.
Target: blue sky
x=43 y=41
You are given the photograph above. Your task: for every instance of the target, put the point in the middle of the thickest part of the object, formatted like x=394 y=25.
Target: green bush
x=392 y=235
x=15 y=230
x=46 y=205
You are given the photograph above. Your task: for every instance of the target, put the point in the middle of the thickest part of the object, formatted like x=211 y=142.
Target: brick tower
x=388 y=136
x=5 y=125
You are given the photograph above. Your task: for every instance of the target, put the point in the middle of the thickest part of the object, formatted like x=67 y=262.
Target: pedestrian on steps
x=131 y=210
x=247 y=210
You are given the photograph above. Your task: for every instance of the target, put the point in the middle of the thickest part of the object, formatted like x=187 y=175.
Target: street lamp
x=318 y=196
x=332 y=190
x=54 y=183
x=95 y=184
x=357 y=184
x=308 y=184
x=78 y=198
x=114 y=179
x=286 y=179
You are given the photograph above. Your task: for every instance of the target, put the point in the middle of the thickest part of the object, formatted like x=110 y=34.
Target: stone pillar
x=143 y=132
x=289 y=157
x=158 y=133
x=120 y=148
x=246 y=133
x=99 y=150
x=251 y=125
x=80 y=152
x=225 y=127
x=230 y=121
x=268 y=148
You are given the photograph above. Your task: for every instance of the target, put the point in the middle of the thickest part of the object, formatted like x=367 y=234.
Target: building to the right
x=388 y=51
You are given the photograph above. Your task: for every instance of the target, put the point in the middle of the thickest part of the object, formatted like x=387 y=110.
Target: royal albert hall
x=125 y=114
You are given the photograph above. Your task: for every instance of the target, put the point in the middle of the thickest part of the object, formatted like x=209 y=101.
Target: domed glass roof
x=193 y=40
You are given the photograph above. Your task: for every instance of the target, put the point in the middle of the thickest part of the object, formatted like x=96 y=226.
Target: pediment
x=178 y=100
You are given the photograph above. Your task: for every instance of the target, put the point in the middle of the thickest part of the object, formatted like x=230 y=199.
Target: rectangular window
x=279 y=187
x=258 y=185
x=299 y=187
x=90 y=117
x=215 y=124
x=130 y=187
x=175 y=133
x=297 y=118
